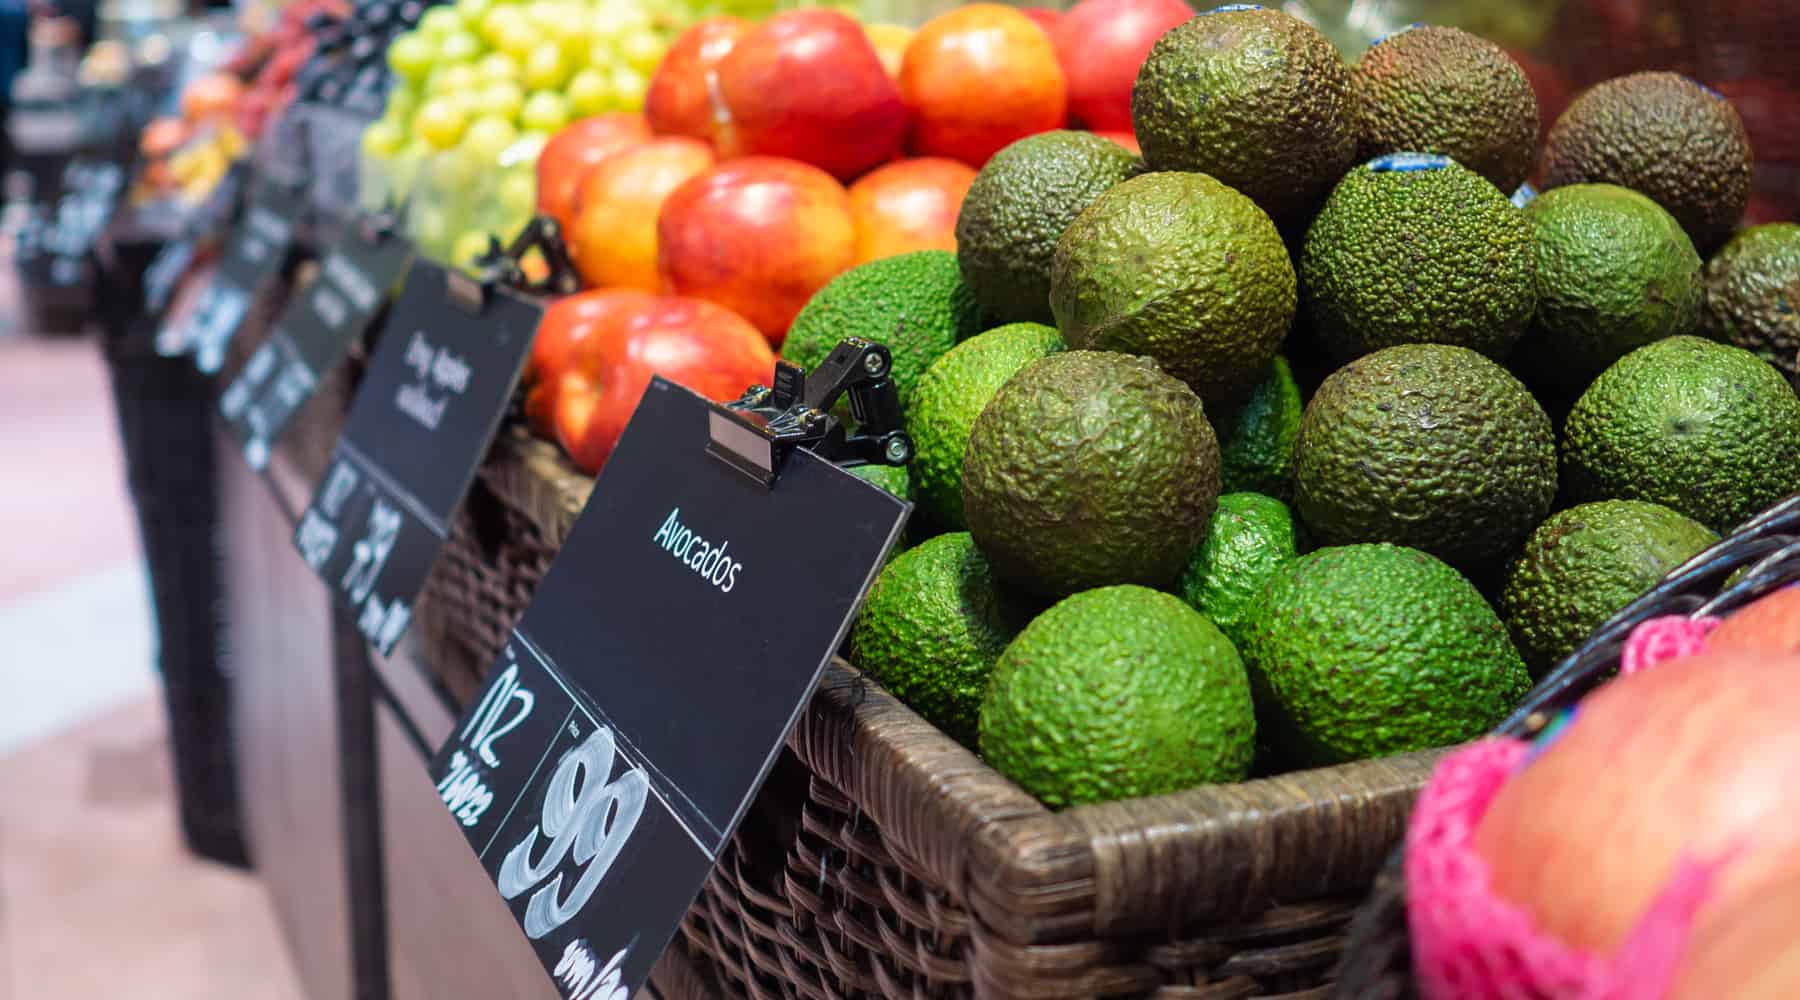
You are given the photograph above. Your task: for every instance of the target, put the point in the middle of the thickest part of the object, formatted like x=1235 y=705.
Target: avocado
x=950 y=397
x=1253 y=97
x=1090 y=468
x=1665 y=136
x=932 y=628
x=1443 y=90
x=1752 y=296
x=1706 y=429
x=1249 y=538
x=1583 y=565
x=1367 y=650
x=1118 y=693
x=1182 y=269
x=1416 y=249
x=1429 y=446
x=1256 y=445
x=1017 y=209
x=914 y=303
x=893 y=478
x=1614 y=272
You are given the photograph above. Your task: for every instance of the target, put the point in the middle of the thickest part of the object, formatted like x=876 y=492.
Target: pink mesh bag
x=1470 y=944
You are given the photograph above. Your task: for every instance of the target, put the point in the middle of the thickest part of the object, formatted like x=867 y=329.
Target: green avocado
x=1753 y=295
x=1250 y=537
x=1017 y=209
x=1706 y=429
x=1254 y=97
x=1180 y=268
x=1443 y=90
x=1256 y=445
x=1428 y=446
x=1090 y=468
x=1367 y=650
x=914 y=303
x=1118 y=693
x=1614 y=272
x=1583 y=565
x=1415 y=249
x=949 y=398
x=1665 y=136
x=932 y=628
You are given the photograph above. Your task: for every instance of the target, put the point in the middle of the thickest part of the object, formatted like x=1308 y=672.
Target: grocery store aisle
x=98 y=897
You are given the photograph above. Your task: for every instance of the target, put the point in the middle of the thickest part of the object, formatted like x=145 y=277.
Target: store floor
x=98 y=898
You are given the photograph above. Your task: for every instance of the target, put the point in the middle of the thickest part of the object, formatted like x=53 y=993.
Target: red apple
x=808 y=85
x=566 y=326
x=1125 y=138
x=759 y=235
x=978 y=78
x=909 y=205
x=679 y=101
x=612 y=238
x=703 y=346
x=1100 y=44
x=571 y=152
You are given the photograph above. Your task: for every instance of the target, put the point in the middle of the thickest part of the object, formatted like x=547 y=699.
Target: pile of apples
x=770 y=157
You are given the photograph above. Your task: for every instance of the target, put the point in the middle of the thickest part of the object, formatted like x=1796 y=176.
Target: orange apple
x=1046 y=18
x=613 y=238
x=571 y=152
x=758 y=235
x=807 y=84
x=679 y=101
x=909 y=205
x=978 y=78
x=701 y=345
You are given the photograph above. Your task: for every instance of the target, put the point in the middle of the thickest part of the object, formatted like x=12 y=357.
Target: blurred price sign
x=53 y=249
x=313 y=334
x=448 y=360
x=647 y=690
x=255 y=255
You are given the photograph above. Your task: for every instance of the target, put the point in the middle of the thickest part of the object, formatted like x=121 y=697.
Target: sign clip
x=754 y=433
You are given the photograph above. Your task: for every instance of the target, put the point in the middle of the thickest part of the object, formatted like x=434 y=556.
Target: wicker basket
x=884 y=859
x=1377 y=965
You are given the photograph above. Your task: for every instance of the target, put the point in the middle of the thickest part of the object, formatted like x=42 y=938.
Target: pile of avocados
x=1316 y=433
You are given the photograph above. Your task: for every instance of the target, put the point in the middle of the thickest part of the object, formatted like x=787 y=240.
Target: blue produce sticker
x=1397 y=32
x=1228 y=8
x=1408 y=163
x=1525 y=195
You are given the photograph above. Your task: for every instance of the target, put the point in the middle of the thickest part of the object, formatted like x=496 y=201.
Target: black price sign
x=432 y=400
x=53 y=250
x=166 y=268
x=253 y=261
x=312 y=335
x=648 y=688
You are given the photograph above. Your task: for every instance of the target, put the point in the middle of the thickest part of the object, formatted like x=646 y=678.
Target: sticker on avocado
x=1408 y=163
x=1397 y=32
x=1228 y=8
x=1525 y=195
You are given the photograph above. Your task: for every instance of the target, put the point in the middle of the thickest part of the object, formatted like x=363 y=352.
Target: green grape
x=473 y=11
x=383 y=140
x=547 y=67
x=503 y=99
x=457 y=79
x=460 y=47
x=401 y=103
x=440 y=23
x=411 y=56
x=544 y=111
x=628 y=86
x=497 y=66
x=642 y=50
x=589 y=93
x=518 y=194
x=440 y=122
x=486 y=138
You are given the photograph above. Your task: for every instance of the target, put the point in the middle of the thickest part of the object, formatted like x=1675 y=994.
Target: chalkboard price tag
x=253 y=261
x=53 y=249
x=312 y=336
x=645 y=693
x=166 y=268
x=431 y=402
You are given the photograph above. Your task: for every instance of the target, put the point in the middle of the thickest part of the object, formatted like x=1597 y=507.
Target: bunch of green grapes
x=480 y=86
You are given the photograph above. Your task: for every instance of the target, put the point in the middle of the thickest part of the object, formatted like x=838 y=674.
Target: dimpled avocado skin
x=1584 y=564
x=1753 y=294
x=1428 y=446
x=1183 y=269
x=950 y=397
x=1367 y=650
x=1614 y=272
x=1417 y=256
x=1664 y=135
x=1706 y=429
x=1443 y=90
x=1118 y=693
x=1016 y=210
x=1250 y=537
x=932 y=628
x=1256 y=446
x=1256 y=98
x=1088 y=469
